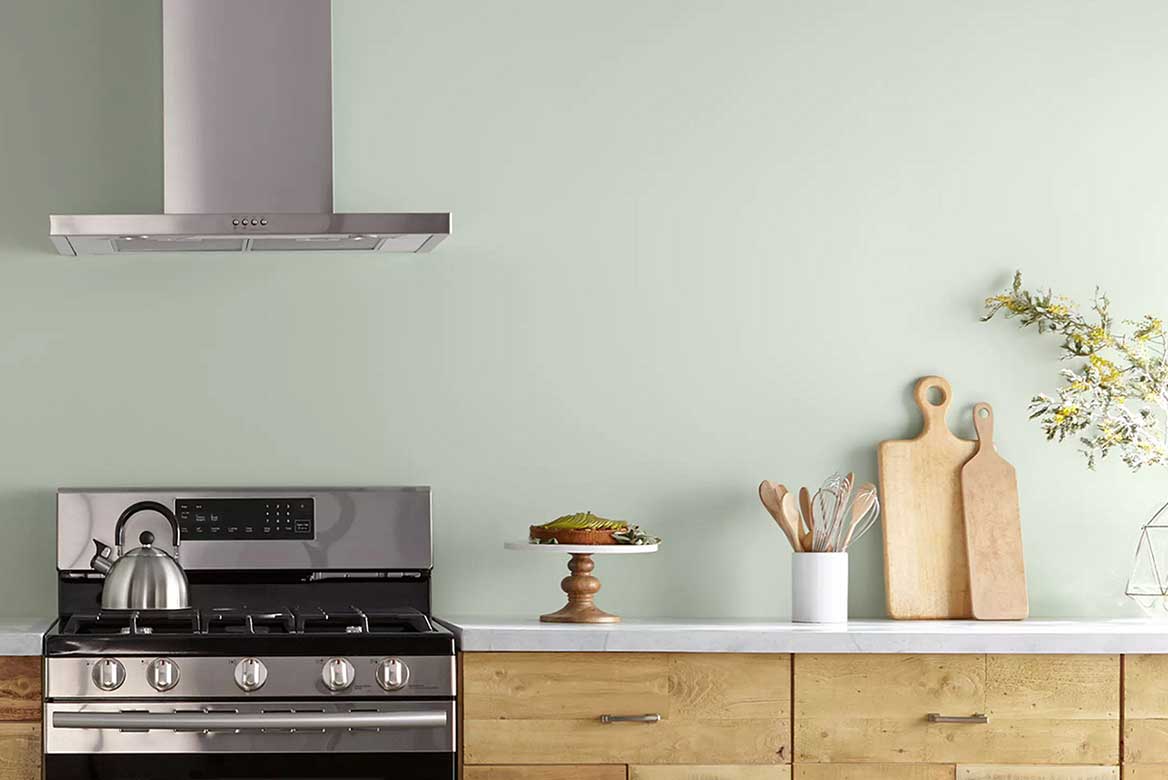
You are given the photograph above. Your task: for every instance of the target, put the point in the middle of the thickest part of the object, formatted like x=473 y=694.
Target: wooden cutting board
x=926 y=570
x=993 y=528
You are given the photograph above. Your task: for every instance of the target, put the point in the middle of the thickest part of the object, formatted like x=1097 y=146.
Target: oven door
x=302 y=740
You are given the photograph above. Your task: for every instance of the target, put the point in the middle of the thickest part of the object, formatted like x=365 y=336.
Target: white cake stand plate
x=580 y=585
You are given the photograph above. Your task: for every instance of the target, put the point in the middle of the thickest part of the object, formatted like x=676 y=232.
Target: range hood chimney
x=247 y=143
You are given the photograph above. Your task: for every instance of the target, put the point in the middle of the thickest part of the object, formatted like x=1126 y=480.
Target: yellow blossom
x=1108 y=373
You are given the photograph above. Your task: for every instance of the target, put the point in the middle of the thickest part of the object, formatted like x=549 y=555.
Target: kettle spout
x=101 y=559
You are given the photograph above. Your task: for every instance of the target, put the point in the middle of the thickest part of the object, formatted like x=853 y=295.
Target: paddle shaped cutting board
x=993 y=528
x=926 y=570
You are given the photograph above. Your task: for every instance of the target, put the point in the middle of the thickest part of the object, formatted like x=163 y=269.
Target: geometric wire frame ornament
x=1148 y=583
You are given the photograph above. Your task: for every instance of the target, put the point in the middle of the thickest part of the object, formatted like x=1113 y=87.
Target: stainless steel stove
x=306 y=651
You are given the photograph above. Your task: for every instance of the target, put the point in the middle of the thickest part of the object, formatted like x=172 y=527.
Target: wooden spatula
x=791 y=516
x=808 y=516
x=993 y=528
x=772 y=498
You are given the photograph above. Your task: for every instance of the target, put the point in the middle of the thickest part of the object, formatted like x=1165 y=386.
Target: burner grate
x=144 y=621
x=229 y=620
x=354 y=620
x=243 y=621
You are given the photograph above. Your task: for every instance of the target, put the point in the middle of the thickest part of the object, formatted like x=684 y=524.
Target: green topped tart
x=587 y=528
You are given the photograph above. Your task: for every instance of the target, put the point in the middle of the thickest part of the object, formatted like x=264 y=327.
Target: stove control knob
x=392 y=674
x=109 y=674
x=162 y=674
x=337 y=674
x=250 y=674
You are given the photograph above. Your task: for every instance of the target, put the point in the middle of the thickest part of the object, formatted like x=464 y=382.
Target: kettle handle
x=142 y=506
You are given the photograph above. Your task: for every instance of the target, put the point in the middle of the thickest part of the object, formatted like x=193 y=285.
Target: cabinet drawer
x=20 y=688
x=711 y=772
x=20 y=751
x=873 y=772
x=997 y=772
x=1052 y=709
x=545 y=708
x=543 y=773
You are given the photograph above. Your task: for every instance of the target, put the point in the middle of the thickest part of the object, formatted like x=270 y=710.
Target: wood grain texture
x=578 y=772
x=926 y=569
x=873 y=772
x=1145 y=772
x=1145 y=687
x=993 y=528
x=873 y=708
x=660 y=772
x=541 y=708
x=1145 y=704
x=1054 y=687
x=20 y=688
x=1029 y=772
x=20 y=751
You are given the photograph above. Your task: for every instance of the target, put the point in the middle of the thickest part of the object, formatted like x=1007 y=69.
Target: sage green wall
x=696 y=244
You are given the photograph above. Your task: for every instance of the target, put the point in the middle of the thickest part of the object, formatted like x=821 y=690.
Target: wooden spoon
x=772 y=498
x=789 y=527
x=791 y=514
x=808 y=517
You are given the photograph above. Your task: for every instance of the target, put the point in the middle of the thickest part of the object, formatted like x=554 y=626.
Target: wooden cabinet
x=544 y=773
x=952 y=772
x=546 y=708
x=725 y=772
x=1027 y=772
x=873 y=772
x=1145 y=772
x=1145 y=705
x=537 y=716
x=20 y=718
x=874 y=709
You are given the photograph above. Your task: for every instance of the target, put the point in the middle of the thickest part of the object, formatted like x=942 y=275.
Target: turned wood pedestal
x=580 y=585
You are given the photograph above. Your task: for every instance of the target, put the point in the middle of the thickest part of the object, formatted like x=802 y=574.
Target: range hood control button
x=337 y=674
x=251 y=674
x=109 y=674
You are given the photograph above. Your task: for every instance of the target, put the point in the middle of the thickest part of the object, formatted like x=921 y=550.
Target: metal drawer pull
x=271 y=720
x=652 y=717
x=976 y=718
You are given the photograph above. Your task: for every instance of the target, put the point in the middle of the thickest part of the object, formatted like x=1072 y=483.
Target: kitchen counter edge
x=23 y=636
x=1035 y=636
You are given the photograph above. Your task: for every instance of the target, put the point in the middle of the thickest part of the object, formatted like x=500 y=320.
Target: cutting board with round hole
x=993 y=528
x=926 y=569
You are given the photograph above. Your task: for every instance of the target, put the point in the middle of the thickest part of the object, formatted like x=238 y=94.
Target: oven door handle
x=174 y=721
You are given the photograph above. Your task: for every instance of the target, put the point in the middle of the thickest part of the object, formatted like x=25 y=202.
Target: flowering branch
x=1118 y=397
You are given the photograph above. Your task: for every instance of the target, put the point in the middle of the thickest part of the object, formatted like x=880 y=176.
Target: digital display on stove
x=214 y=519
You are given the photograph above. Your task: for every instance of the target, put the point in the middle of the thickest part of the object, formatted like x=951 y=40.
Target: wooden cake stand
x=580 y=585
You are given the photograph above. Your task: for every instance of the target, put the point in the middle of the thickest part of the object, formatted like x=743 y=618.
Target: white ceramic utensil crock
x=819 y=587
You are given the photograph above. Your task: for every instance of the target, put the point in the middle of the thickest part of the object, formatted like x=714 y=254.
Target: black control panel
x=212 y=519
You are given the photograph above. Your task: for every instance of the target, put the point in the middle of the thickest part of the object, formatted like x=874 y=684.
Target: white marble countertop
x=858 y=636
x=22 y=636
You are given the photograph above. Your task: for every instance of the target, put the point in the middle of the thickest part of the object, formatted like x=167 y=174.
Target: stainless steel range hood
x=247 y=143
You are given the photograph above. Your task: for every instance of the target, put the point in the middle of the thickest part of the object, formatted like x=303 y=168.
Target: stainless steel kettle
x=145 y=577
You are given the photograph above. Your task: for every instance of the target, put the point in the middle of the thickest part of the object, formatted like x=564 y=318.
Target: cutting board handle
x=983 y=421
x=934 y=414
